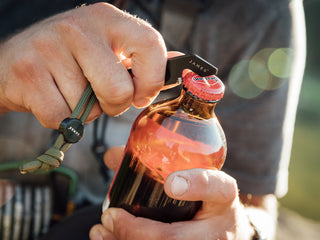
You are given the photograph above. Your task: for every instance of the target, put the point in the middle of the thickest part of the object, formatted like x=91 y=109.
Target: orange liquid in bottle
x=165 y=138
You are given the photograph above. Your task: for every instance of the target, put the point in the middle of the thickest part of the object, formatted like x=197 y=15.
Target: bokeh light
x=268 y=69
x=280 y=62
x=240 y=83
x=258 y=69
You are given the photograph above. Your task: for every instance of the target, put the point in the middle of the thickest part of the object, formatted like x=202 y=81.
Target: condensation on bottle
x=169 y=136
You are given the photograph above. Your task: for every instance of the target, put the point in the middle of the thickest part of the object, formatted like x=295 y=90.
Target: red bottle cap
x=209 y=88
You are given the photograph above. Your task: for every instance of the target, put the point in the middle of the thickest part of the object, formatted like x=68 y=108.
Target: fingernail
x=107 y=221
x=179 y=186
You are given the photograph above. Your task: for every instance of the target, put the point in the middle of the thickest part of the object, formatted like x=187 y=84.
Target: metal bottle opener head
x=176 y=65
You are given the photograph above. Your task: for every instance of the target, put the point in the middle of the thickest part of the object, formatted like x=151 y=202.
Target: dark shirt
x=230 y=34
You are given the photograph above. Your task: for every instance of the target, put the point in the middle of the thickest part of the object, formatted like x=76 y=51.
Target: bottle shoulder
x=181 y=109
x=177 y=121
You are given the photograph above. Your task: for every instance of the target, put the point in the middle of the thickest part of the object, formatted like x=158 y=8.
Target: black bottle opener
x=176 y=65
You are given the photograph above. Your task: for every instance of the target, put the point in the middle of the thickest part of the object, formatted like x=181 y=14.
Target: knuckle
x=25 y=68
x=232 y=190
x=205 y=180
x=115 y=100
x=153 y=87
x=120 y=95
x=69 y=24
x=234 y=193
x=45 y=45
x=145 y=36
x=100 y=9
x=226 y=186
x=151 y=37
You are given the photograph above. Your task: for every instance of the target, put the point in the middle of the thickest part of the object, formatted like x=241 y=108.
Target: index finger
x=145 y=48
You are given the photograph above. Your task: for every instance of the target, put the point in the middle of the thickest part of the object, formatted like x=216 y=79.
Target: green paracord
x=70 y=131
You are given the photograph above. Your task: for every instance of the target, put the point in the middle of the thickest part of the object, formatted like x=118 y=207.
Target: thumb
x=215 y=188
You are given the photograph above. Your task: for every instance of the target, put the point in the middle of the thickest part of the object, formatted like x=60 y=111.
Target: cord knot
x=51 y=159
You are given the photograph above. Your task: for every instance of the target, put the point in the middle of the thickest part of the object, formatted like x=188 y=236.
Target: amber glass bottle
x=168 y=136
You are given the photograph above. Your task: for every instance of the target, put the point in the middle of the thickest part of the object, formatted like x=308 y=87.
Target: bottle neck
x=196 y=107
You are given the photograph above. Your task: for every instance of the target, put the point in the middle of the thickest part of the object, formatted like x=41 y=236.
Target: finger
x=98 y=232
x=113 y=157
x=128 y=227
x=39 y=93
x=128 y=64
x=49 y=109
x=148 y=68
x=112 y=84
x=202 y=185
x=96 y=50
x=109 y=78
x=141 y=43
x=64 y=70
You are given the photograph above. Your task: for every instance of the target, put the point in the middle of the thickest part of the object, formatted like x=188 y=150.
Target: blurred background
x=300 y=208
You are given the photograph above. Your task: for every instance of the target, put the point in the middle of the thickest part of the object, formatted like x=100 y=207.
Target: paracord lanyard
x=70 y=131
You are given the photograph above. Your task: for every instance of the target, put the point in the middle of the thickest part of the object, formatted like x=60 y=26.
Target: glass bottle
x=168 y=136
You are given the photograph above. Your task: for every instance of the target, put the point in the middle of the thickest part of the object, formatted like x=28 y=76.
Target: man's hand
x=222 y=216
x=45 y=68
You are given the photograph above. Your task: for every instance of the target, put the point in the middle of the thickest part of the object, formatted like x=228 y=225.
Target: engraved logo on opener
x=197 y=65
